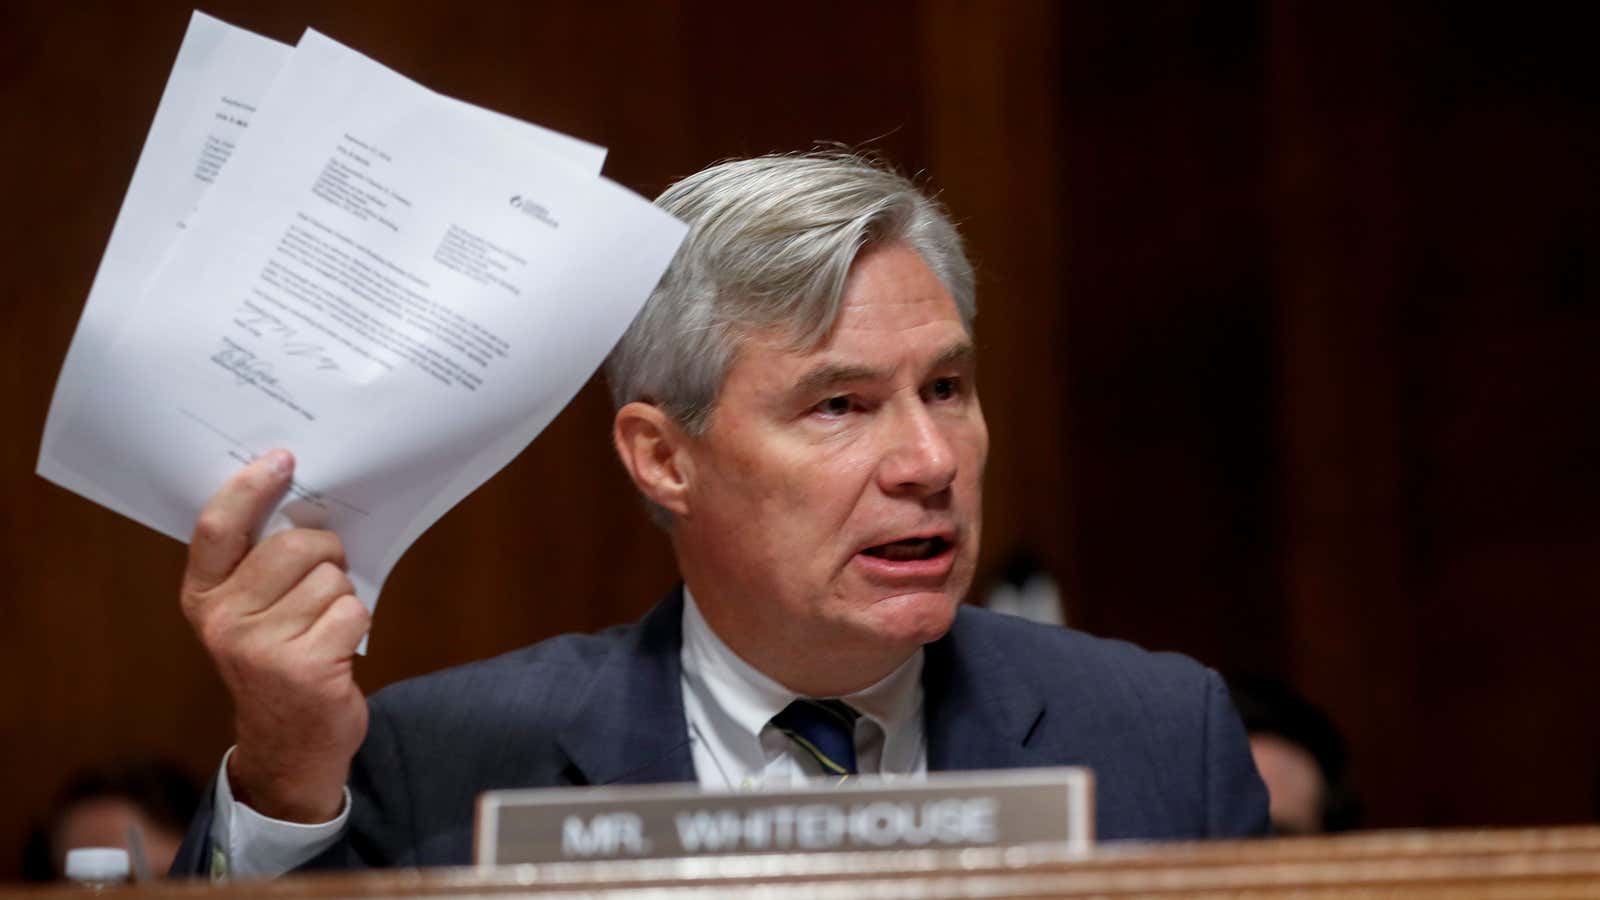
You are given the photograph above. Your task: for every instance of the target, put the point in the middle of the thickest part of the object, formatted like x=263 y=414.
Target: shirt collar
x=732 y=691
x=895 y=704
x=739 y=700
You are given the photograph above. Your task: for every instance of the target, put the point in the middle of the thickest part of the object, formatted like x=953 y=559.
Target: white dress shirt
x=728 y=705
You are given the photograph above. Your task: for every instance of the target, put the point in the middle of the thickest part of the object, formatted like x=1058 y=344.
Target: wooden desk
x=1522 y=864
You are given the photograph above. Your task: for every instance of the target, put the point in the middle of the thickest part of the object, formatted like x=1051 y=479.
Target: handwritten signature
x=313 y=352
x=261 y=323
x=245 y=366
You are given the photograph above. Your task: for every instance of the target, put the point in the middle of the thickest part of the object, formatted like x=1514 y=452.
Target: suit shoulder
x=1092 y=671
x=1050 y=647
x=1169 y=757
x=550 y=667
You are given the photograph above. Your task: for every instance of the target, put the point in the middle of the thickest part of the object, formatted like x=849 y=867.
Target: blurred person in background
x=97 y=807
x=1301 y=756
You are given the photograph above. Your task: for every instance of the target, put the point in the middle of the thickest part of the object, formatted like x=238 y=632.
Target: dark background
x=1288 y=336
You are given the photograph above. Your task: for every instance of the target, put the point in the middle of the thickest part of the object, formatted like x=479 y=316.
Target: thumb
x=222 y=533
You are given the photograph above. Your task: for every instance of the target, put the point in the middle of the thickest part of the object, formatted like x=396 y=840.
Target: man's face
x=1295 y=788
x=104 y=822
x=833 y=509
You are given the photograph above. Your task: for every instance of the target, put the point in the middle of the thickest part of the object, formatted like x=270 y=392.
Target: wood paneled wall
x=1287 y=333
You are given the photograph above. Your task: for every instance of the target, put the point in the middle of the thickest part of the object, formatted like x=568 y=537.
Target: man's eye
x=833 y=407
x=944 y=388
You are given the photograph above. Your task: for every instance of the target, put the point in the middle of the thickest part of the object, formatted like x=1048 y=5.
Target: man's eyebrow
x=824 y=377
x=960 y=353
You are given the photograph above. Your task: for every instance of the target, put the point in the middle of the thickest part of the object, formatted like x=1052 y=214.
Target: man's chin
x=914 y=618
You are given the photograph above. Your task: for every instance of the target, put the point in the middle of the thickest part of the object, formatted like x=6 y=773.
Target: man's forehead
x=776 y=359
x=895 y=316
x=842 y=368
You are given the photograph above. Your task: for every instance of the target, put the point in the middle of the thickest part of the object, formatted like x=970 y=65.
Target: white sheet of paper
x=217 y=82
x=216 y=85
x=400 y=290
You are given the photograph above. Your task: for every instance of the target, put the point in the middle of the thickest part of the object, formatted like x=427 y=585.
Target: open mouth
x=909 y=549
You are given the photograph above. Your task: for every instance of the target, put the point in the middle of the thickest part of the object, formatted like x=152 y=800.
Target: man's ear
x=655 y=452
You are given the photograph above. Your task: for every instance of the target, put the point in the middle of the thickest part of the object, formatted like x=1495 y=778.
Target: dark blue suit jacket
x=1169 y=755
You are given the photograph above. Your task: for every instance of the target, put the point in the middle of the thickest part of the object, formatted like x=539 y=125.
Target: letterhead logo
x=533 y=210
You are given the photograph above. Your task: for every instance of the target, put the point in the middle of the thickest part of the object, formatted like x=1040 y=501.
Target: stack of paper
x=318 y=254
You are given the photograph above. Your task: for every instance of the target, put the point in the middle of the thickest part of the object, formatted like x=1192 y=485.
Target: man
x=101 y=805
x=797 y=404
x=1301 y=757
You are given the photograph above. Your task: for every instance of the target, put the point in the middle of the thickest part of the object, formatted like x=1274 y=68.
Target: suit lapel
x=976 y=717
x=630 y=728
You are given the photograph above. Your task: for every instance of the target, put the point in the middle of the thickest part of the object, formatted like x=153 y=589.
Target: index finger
x=222 y=532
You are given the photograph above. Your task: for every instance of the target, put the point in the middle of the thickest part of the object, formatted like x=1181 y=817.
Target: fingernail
x=279 y=461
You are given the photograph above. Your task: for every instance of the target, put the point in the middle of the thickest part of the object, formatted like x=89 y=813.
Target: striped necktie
x=825 y=729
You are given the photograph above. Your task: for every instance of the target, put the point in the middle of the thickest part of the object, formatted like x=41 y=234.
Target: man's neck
x=808 y=667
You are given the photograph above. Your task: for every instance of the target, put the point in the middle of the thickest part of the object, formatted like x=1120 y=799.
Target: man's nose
x=919 y=458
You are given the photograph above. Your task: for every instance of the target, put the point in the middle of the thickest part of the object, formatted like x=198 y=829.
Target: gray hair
x=770 y=244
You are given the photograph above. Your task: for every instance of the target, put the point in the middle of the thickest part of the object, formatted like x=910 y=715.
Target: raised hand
x=282 y=622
